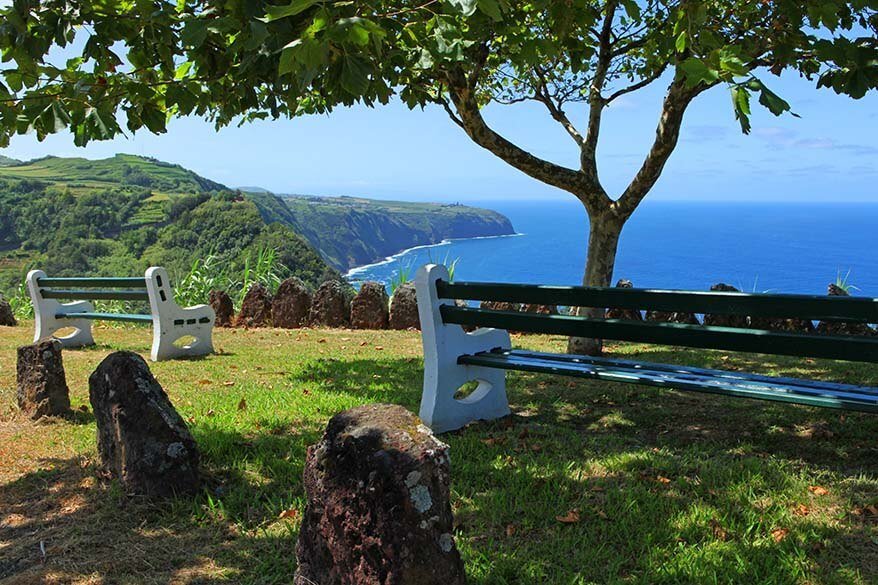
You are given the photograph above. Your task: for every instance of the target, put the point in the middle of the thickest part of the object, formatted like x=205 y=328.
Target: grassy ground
x=586 y=482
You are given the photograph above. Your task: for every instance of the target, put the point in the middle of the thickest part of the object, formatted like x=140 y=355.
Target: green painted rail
x=852 y=348
x=838 y=396
x=106 y=317
x=98 y=295
x=823 y=308
x=96 y=282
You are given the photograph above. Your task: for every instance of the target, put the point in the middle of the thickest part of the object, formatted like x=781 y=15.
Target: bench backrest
x=822 y=308
x=82 y=288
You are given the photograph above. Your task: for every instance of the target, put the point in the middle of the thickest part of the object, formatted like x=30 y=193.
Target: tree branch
x=542 y=95
x=639 y=85
x=542 y=170
x=667 y=133
x=451 y=114
x=588 y=156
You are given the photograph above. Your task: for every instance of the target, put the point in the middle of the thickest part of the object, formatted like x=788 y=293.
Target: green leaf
x=287 y=60
x=632 y=8
x=491 y=8
x=154 y=119
x=355 y=75
x=293 y=8
x=775 y=104
x=741 y=104
x=682 y=40
x=696 y=71
x=467 y=7
x=194 y=33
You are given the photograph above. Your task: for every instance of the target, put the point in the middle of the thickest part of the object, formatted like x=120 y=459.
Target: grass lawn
x=588 y=482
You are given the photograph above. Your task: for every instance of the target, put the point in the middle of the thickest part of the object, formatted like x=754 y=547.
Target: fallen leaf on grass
x=242 y=405
x=870 y=510
x=379 y=348
x=364 y=343
x=662 y=479
x=321 y=340
x=494 y=440
x=290 y=514
x=228 y=383
x=719 y=532
x=510 y=530
x=204 y=382
x=801 y=510
x=818 y=490
x=778 y=534
x=571 y=517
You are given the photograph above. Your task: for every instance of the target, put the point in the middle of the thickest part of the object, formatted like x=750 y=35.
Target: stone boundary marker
x=142 y=440
x=378 y=504
x=7 y=318
x=42 y=385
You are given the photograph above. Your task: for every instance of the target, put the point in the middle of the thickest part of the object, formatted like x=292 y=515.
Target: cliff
x=351 y=231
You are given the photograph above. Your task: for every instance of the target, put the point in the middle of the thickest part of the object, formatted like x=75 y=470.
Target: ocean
x=757 y=247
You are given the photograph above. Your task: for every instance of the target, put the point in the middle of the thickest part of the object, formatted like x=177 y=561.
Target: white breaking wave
x=353 y=272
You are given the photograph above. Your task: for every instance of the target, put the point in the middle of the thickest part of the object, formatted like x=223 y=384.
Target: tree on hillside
x=240 y=60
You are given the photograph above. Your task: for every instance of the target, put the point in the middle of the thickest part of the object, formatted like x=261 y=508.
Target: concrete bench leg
x=46 y=325
x=170 y=322
x=443 y=377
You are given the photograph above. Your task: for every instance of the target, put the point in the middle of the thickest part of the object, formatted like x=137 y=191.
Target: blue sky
x=829 y=154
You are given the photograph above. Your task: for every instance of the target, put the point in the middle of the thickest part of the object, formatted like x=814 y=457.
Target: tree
x=240 y=60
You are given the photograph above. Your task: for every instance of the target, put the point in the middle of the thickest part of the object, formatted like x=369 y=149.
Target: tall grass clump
x=20 y=303
x=448 y=263
x=204 y=275
x=265 y=269
x=261 y=266
x=401 y=276
x=843 y=282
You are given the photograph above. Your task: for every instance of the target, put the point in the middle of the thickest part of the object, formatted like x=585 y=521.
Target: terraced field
x=82 y=175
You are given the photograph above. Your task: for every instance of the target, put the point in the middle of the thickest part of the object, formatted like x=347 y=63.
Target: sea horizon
x=757 y=246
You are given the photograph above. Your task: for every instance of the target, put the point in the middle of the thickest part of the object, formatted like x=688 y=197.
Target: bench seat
x=106 y=317
x=740 y=384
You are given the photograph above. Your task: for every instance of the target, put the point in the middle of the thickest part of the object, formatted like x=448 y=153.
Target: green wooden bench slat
x=752 y=340
x=97 y=282
x=116 y=295
x=731 y=376
x=106 y=317
x=826 y=308
x=708 y=381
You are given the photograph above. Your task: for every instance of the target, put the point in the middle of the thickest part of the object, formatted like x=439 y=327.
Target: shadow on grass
x=669 y=487
x=65 y=524
x=79 y=417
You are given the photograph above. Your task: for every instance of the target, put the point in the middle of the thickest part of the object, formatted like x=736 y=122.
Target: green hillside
x=73 y=216
x=6 y=161
x=125 y=171
x=120 y=215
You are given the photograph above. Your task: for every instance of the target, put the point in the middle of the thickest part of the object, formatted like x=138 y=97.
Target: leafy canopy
x=91 y=65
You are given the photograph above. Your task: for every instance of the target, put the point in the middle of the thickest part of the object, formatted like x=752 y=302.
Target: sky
x=830 y=153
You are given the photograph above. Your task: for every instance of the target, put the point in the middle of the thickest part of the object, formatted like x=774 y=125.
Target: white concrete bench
x=170 y=322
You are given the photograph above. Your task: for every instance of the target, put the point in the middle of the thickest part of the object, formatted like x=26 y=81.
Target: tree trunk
x=603 y=243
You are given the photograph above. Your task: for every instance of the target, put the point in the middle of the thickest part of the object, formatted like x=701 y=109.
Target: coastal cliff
x=351 y=231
